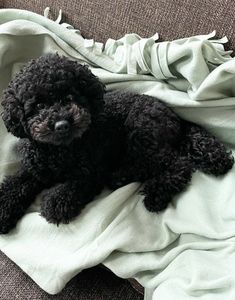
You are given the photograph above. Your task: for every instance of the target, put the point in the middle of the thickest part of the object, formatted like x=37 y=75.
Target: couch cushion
x=172 y=19
x=92 y=284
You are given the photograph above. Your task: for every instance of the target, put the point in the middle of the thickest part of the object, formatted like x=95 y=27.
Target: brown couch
x=100 y=20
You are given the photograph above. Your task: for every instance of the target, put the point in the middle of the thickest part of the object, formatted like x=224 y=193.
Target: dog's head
x=52 y=100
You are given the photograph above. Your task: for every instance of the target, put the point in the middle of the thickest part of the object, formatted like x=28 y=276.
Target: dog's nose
x=62 y=126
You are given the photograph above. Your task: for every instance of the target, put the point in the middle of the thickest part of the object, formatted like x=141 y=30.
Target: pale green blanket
x=188 y=251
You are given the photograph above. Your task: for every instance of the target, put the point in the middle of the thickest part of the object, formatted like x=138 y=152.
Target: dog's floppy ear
x=13 y=113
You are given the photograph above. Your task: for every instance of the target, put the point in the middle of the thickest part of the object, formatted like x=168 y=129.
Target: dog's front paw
x=8 y=217
x=154 y=204
x=58 y=208
x=6 y=225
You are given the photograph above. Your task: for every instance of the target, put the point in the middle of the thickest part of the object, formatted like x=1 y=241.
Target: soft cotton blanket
x=188 y=251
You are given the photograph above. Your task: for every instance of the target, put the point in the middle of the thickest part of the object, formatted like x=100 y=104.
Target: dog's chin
x=66 y=140
x=57 y=140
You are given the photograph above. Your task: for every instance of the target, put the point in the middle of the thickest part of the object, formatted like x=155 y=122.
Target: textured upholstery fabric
x=92 y=284
x=172 y=19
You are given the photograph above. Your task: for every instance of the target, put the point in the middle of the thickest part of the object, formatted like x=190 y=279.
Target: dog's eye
x=69 y=97
x=40 y=105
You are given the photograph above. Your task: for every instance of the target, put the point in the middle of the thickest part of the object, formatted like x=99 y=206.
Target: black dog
x=75 y=141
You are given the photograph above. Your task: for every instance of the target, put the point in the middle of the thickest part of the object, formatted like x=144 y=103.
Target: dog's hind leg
x=207 y=153
x=159 y=191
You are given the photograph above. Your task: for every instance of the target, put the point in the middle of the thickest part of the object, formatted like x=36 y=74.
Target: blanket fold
x=188 y=251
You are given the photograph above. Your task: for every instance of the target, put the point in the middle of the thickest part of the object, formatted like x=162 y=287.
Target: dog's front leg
x=64 y=201
x=17 y=192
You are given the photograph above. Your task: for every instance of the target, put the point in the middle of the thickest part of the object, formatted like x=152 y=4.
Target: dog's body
x=75 y=143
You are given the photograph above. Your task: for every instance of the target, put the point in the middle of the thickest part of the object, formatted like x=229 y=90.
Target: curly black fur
x=74 y=142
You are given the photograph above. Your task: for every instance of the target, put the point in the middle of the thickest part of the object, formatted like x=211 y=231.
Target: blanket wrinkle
x=186 y=252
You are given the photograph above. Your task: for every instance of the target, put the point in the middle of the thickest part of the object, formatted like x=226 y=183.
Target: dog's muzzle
x=60 y=125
